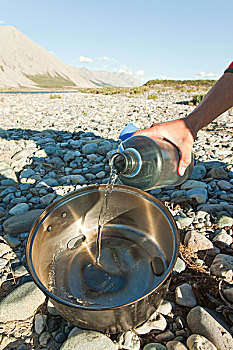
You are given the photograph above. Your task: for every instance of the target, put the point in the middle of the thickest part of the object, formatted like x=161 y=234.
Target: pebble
x=222 y=266
x=129 y=341
x=3 y=263
x=154 y=346
x=217 y=173
x=190 y=184
x=223 y=237
x=44 y=338
x=21 y=303
x=51 y=309
x=165 y=307
x=4 y=249
x=60 y=337
x=175 y=345
x=75 y=331
x=229 y=294
x=39 y=323
x=19 y=209
x=89 y=148
x=224 y=219
x=48 y=199
x=165 y=336
x=21 y=223
x=198 y=342
x=199 y=194
x=12 y=241
x=197 y=241
x=224 y=185
x=179 y=265
x=156 y=322
x=89 y=340
x=205 y=322
x=198 y=173
x=183 y=221
x=185 y=296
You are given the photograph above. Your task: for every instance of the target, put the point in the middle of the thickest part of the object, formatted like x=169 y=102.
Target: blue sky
x=174 y=39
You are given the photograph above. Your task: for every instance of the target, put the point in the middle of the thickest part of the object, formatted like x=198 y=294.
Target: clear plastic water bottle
x=146 y=163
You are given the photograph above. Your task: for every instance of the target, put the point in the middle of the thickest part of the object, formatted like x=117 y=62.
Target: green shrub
x=53 y=96
x=152 y=97
x=197 y=99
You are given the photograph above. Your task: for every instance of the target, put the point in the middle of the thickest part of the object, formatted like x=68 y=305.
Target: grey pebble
x=207 y=323
x=156 y=322
x=4 y=249
x=165 y=336
x=222 y=236
x=88 y=340
x=40 y=322
x=228 y=292
x=199 y=194
x=198 y=173
x=197 y=241
x=89 y=148
x=12 y=241
x=47 y=199
x=165 y=307
x=175 y=345
x=154 y=346
x=44 y=338
x=129 y=341
x=189 y=184
x=21 y=303
x=3 y=263
x=185 y=296
x=179 y=265
x=21 y=223
x=51 y=309
x=183 y=221
x=19 y=209
x=197 y=342
x=222 y=266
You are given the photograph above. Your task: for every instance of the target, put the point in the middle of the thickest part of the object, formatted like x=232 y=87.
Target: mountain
x=24 y=63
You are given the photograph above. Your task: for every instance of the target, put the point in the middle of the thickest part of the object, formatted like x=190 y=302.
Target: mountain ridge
x=25 y=64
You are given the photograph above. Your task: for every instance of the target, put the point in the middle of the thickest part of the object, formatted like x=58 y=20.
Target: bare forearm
x=218 y=100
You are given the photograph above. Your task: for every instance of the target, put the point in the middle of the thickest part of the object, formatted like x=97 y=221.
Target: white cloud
x=125 y=69
x=139 y=73
x=85 y=59
x=204 y=75
x=2 y=22
x=108 y=59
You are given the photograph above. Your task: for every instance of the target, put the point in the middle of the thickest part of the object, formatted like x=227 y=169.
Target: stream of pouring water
x=103 y=211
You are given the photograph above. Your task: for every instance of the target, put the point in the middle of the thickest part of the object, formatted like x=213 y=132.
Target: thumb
x=185 y=160
x=150 y=132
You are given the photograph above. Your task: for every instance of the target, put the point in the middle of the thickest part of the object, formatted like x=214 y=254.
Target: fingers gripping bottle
x=147 y=163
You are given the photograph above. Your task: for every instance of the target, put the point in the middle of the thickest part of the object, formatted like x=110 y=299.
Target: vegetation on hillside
x=198 y=83
x=51 y=82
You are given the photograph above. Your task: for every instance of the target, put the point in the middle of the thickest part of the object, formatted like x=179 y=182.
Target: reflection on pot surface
x=139 y=248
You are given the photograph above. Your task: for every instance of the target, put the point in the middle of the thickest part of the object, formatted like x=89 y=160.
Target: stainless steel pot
x=140 y=245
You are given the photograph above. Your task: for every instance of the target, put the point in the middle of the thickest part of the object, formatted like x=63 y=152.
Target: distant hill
x=25 y=64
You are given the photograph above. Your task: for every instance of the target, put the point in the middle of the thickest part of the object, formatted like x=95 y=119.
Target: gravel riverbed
x=52 y=146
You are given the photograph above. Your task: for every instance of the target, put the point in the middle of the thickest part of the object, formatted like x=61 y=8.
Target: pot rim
x=81 y=191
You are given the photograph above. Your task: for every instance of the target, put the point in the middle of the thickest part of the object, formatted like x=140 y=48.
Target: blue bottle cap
x=127 y=131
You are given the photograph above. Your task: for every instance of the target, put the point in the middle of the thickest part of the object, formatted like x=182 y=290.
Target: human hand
x=179 y=133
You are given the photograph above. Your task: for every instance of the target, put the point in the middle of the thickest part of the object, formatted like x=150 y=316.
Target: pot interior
x=139 y=248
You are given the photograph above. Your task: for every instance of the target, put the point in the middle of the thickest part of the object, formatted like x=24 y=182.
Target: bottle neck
x=127 y=163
